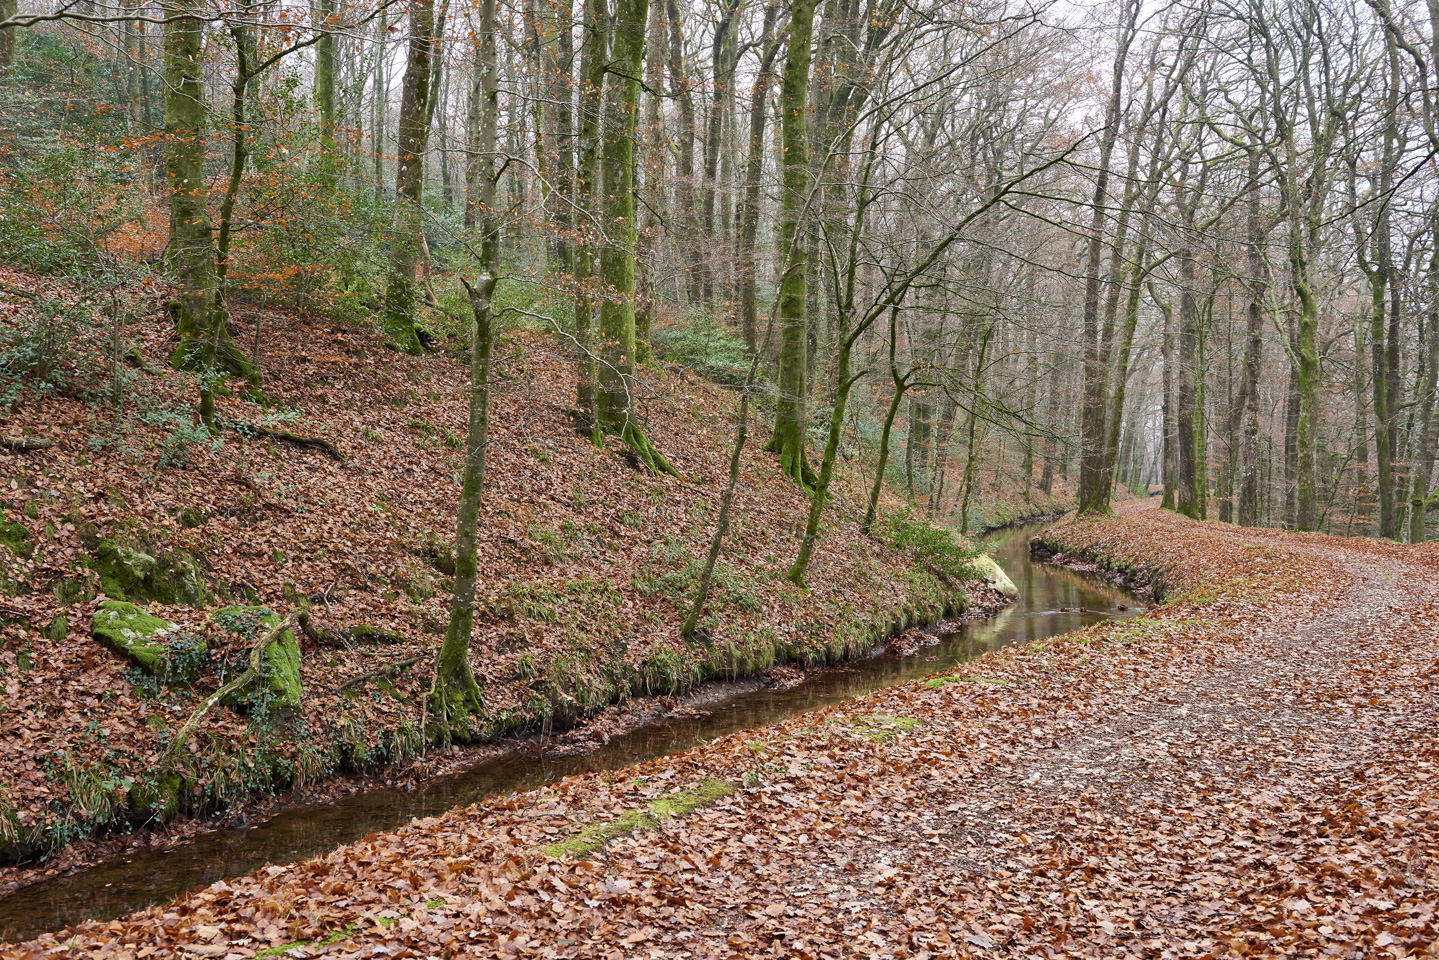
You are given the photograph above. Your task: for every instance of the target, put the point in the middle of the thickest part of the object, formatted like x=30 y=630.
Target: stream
x=1052 y=601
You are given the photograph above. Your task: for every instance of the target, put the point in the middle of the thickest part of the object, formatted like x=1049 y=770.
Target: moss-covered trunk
x=205 y=344
x=615 y=413
x=456 y=694
x=788 y=439
x=596 y=55
x=407 y=243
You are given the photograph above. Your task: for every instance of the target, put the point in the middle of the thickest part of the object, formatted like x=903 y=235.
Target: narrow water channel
x=1052 y=601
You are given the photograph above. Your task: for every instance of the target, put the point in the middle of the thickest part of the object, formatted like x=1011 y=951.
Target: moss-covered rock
x=130 y=574
x=134 y=634
x=993 y=574
x=277 y=693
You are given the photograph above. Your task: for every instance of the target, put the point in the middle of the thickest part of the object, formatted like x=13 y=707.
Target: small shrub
x=705 y=345
x=936 y=548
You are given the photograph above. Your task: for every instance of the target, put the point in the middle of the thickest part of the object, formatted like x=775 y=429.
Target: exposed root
x=317 y=443
x=363 y=632
x=386 y=672
x=793 y=463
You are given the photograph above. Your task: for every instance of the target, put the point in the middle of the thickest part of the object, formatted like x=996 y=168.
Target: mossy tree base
x=641 y=446
x=792 y=460
x=398 y=318
x=456 y=697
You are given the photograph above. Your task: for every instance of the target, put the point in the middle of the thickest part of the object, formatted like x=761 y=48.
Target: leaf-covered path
x=1248 y=770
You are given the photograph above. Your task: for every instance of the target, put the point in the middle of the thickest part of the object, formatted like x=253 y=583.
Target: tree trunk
x=1167 y=422
x=325 y=100
x=205 y=344
x=596 y=55
x=379 y=105
x=1091 y=432
x=456 y=695
x=564 y=137
x=617 y=260
x=901 y=384
x=1187 y=412
x=971 y=458
x=1253 y=353
x=749 y=216
x=1115 y=417
x=788 y=439
x=722 y=71
x=651 y=184
x=8 y=8
x=1425 y=383
x=687 y=220
x=406 y=245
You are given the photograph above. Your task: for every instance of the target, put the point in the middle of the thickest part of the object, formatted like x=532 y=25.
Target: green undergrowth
x=112 y=790
x=733 y=641
x=638 y=819
x=937 y=683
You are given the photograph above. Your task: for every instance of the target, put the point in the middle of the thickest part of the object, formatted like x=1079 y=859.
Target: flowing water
x=1052 y=601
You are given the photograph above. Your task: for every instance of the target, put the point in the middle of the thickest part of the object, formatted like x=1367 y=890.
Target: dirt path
x=1249 y=771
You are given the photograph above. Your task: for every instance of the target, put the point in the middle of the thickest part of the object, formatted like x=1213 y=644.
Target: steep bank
x=586 y=563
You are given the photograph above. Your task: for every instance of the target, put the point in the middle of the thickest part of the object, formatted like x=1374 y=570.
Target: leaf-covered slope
x=586 y=563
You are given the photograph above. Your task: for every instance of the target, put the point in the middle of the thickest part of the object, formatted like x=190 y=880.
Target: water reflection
x=1052 y=601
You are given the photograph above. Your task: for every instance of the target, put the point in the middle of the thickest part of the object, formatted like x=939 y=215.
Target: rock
x=133 y=633
x=993 y=574
x=278 y=692
x=130 y=574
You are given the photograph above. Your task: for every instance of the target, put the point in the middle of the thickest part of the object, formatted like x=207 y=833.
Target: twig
x=256 y=652
x=17 y=292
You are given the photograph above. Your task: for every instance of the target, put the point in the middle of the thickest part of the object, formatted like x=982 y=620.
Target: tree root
x=257 y=652
x=23 y=444
x=794 y=463
x=327 y=637
x=386 y=672
x=313 y=442
x=643 y=449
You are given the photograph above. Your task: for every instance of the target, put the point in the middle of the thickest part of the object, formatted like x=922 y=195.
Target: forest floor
x=1249 y=769
x=586 y=563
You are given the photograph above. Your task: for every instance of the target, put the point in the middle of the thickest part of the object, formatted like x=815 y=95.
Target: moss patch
x=879 y=727
x=596 y=835
x=277 y=692
x=281 y=949
x=127 y=573
x=16 y=537
x=133 y=633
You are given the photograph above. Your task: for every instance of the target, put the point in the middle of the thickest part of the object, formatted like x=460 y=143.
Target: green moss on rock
x=986 y=569
x=130 y=574
x=133 y=633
